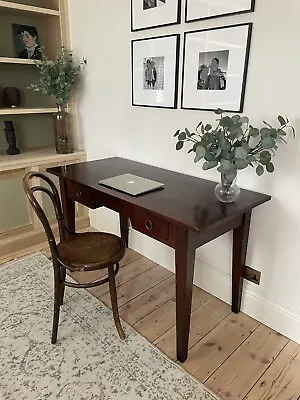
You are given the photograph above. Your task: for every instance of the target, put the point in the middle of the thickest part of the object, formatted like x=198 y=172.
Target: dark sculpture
x=11 y=138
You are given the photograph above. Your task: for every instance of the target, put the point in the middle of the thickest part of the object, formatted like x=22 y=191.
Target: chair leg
x=114 y=301
x=57 y=303
x=63 y=278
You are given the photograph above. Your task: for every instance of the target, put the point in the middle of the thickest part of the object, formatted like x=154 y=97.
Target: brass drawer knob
x=149 y=225
x=78 y=194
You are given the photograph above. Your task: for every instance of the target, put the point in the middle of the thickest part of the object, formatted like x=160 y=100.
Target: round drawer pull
x=149 y=225
x=78 y=194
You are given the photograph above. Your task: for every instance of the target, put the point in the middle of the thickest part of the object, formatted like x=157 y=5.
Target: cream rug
x=89 y=361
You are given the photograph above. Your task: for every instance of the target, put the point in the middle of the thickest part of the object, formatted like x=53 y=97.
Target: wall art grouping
x=215 y=60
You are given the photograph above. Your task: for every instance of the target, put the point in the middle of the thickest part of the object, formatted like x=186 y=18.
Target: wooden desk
x=184 y=215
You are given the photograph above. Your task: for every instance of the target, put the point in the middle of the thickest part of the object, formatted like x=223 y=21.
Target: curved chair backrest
x=55 y=199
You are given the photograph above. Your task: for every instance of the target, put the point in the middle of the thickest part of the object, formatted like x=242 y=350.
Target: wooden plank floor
x=233 y=355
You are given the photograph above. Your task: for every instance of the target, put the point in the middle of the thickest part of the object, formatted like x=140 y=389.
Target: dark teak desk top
x=185 y=200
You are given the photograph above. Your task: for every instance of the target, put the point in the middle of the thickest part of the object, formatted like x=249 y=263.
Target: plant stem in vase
x=63 y=138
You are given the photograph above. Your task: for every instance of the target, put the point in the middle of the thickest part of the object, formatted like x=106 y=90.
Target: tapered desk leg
x=124 y=228
x=184 y=262
x=68 y=206
x=240 y=243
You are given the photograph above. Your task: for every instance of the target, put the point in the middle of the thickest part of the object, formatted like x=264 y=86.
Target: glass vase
x=227 y=191
x=63 y=137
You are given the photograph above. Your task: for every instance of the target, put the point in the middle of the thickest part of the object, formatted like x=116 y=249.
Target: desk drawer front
x=150 y=225
x=82 y=194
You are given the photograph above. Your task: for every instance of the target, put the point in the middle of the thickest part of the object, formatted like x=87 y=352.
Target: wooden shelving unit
x=26 y=111
x=19 y=227
x=8 y=60
x=23 y=8
x=39 y=157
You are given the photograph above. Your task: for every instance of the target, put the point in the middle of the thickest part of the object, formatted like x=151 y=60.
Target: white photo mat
x=205 y=9
x=160 y=13
x=233 y=44
x=163 y=49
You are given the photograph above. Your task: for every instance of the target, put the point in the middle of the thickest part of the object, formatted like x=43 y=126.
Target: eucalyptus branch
x=227 y=146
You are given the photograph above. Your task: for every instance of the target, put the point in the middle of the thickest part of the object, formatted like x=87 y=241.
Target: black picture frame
x=175 y=78
x=245 y=67
x=159 y=25
x=249 y=10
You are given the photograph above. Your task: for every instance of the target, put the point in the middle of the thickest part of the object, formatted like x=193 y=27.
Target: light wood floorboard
x=233 y=355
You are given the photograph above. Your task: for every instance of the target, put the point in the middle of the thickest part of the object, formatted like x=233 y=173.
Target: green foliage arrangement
x=234 y=144
x=58 y=77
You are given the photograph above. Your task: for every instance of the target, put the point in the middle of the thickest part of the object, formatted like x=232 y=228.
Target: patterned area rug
x=89 y=360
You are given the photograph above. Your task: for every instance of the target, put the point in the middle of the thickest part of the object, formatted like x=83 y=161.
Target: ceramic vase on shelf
x=227 y=191
x=62 y=126
x=11 y=97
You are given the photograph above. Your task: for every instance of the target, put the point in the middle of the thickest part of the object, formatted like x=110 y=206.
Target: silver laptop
x=131 y=184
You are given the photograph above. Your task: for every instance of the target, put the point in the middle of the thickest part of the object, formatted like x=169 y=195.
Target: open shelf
x=36 y=157
x=24 y=111
x=7 y=60
x=22 y=8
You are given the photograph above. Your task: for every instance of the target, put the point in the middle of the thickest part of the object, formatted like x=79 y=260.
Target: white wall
x=110 y=126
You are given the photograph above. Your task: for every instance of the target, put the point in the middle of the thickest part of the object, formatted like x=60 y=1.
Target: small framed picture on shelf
x=155 y=71
x=196 y=10
x=26 y=41
x=146 y=14
x=215 y=68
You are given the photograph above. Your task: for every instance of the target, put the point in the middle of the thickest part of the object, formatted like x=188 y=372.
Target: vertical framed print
x=196 y=10
x=155 y=63
x=146 y=14
x=215 y=68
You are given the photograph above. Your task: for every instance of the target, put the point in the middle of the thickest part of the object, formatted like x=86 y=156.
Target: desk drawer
x=150 y=225
x=82 y=194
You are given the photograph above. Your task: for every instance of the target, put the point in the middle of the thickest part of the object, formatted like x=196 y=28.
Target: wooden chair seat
x=90 y=251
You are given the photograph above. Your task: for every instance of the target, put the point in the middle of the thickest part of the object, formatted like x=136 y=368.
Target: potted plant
x=232 y=145
x=57 y=79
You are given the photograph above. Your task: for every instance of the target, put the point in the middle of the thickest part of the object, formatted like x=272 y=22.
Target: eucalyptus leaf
x=264 y=132
x=208 y=127
x=179 y=145
x=267 y=142
x=241 y=163
x=254 y=132
x=244 y=120
x=281 y=120
x=227 y=165
x=270 y=167
x=266 y=123
x=226 y=122
x=177 y=133
x=187 y=132
x=240 y=152
x=260 y=170
x=219 y=111
x=182 y=136
x=209 y=165
x=200 y=152
x=236 y=118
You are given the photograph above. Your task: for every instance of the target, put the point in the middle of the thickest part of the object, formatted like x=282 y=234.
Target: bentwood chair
x=88 y=251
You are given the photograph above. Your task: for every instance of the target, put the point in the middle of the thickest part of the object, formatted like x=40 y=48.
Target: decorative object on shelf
x=11 y=138
x=196 y=10
x=215 y=68
x=11 y=97
x=146 y=14
x=57 y=79
x=155 y=71
x=232 y=145
x=26 y=42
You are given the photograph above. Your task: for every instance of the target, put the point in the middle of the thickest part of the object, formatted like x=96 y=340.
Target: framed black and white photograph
x=196 y=10
x=147 y=14
x=215 y=68
x=155 y=64
x=26 y=42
